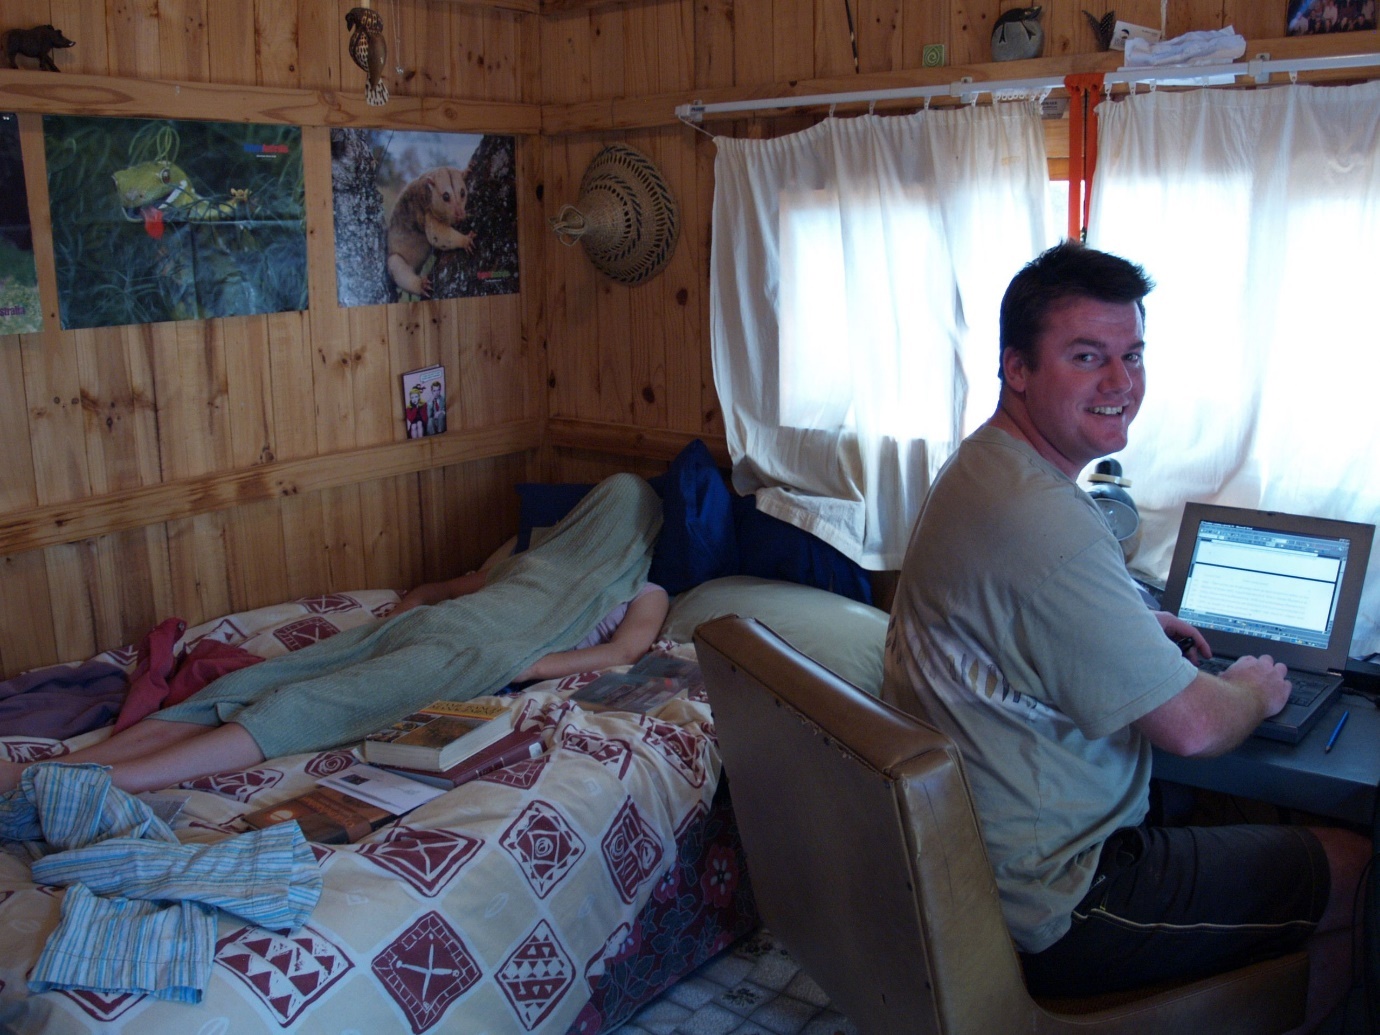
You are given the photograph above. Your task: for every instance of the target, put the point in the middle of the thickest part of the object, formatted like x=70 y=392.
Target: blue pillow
x=542 y=504
x=697 y=541
x=774 y=549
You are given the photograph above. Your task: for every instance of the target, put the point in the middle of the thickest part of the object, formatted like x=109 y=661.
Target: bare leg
x=143 y=738
x=1330 y=948
x=152 y=754
x=219 y=750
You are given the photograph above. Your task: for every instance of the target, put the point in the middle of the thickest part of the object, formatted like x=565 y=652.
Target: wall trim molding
x=75 y=520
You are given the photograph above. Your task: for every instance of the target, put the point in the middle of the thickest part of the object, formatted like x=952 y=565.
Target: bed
x=556 y=895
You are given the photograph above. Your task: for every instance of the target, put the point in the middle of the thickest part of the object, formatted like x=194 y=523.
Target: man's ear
x=1014 y=369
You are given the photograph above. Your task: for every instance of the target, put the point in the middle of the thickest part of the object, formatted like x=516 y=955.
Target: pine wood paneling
x=197 y=468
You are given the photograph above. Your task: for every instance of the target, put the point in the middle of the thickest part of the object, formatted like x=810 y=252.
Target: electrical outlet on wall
x=1125 y=30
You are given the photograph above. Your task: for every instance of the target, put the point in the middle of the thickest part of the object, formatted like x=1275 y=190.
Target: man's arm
x=1214 y=714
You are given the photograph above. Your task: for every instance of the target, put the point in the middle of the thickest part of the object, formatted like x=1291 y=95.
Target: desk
x=1340 y=784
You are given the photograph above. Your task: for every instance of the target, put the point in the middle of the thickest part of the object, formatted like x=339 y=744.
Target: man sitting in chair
x=1018 y=632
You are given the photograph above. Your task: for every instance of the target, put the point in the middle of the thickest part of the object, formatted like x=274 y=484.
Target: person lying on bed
x=532 y=616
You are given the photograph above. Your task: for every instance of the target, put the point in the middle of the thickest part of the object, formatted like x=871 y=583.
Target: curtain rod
x=1259 y=68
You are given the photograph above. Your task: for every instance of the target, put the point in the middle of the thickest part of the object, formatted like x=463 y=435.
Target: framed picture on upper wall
x=423 y=215
x=162 y=219
x=1307 y=17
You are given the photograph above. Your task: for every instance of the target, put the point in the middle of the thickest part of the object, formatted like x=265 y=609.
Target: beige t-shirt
x=1018 y=632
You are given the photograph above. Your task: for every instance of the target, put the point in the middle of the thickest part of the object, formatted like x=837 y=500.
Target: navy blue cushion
x=770 y=548
x=698 y=541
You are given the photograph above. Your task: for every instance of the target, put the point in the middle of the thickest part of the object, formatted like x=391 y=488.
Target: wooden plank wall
x=148 y=438
x=201 y=468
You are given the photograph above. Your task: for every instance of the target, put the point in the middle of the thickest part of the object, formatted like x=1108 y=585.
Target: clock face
x=1121 y=519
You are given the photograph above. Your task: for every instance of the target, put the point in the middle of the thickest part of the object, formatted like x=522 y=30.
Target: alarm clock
x=1018 y=34
x=1118 y=509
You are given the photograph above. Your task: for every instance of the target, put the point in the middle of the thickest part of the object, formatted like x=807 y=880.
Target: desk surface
x=1340 y=784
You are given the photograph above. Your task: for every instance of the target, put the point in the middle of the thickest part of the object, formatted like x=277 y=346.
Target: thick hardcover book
x=515 y=746
x=325 y=815
x=647 y=685
x=440 y=735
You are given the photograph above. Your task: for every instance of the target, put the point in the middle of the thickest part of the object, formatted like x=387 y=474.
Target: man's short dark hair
x=1068 y=270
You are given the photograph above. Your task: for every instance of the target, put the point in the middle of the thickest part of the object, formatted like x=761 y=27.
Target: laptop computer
x=1258 y=582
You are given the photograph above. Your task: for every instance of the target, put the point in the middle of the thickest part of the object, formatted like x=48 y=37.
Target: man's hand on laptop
x=1265 y=677
x=1186 y=636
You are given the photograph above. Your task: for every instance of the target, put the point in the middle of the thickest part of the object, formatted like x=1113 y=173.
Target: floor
x=755 y=988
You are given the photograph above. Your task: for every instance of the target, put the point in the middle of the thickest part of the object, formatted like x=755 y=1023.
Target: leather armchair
x=867 y=863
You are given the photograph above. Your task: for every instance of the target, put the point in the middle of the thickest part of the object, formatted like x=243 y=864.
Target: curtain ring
x=872 y=107
x=832 y=109
x=927 y=102
x=1293 y=77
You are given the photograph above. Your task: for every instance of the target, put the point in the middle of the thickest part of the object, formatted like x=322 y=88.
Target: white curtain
x=855 y=276
x=1258 y=214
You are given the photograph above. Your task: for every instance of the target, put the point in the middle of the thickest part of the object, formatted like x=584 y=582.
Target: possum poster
x=160 y=219
x=423 y=215
x=19 y=307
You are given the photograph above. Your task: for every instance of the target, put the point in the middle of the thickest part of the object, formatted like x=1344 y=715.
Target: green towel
x=544 y=600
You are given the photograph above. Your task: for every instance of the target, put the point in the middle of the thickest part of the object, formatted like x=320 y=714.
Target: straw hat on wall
x=626 y=218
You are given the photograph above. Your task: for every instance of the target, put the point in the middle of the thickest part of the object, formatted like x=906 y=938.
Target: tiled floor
x=753 y=989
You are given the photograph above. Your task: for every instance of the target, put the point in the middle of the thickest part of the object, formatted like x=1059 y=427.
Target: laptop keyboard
x=1306 y=685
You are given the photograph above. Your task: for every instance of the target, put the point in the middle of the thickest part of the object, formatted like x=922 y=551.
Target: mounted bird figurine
x=1102 y=28
x=369 y=50
x=1018 y=34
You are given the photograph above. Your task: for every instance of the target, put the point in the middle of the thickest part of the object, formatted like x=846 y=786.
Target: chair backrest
x=869 y=866
x=867 y=862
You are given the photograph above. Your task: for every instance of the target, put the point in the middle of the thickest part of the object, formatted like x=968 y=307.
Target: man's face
x=1088 y=384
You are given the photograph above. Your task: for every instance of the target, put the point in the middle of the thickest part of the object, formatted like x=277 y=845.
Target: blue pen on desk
x=1333 y=739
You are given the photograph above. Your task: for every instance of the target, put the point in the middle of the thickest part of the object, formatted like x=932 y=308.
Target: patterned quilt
x=498 y=907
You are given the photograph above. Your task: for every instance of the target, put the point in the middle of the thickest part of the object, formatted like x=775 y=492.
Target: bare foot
x=9 y=775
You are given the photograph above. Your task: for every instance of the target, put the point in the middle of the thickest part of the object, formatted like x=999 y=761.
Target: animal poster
x=423 y=215
x=1307 y=17
x=20 y=311
x=424 y=401
x=157 y=220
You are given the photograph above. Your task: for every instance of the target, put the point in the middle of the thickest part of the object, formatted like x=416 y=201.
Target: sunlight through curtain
x=856 y=272
x=1258 y=215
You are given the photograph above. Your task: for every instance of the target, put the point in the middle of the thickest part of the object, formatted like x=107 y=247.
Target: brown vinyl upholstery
x=867 y=864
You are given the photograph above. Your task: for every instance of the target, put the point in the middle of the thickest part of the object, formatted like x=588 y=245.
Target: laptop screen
x=1260 y=582
x=1256 y=581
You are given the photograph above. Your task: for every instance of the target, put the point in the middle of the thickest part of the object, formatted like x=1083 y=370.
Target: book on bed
x=325 y=815
x=514 y=746
x=647 y=685
x=439 y=736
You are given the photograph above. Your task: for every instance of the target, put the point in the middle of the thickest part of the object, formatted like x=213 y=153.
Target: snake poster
x=161 y=219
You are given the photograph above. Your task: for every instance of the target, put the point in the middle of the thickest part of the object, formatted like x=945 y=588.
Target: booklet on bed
x=514 y=746
x=647 y=685
x=439 y=736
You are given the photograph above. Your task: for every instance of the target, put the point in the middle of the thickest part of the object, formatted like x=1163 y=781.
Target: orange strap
x=1085 y=94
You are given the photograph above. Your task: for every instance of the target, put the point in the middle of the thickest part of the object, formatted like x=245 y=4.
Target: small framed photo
x=424 y=401
x=1307 y=17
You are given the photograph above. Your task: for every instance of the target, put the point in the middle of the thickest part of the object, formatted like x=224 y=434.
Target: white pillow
x=843 y=635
